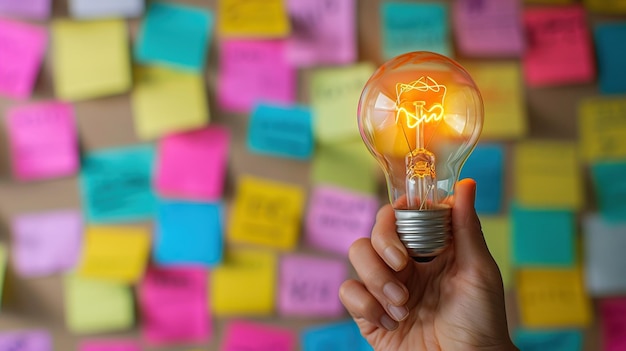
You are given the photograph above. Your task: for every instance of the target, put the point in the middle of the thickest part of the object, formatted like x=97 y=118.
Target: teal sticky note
x=486 y=166
x=553 y=340
x=116 y=184
x=543 y=238
x=337 y=336
x=281 y=131
x=188 y=233
x=611 y=56
x=174 y=35
x=609 y=182
x=414 y=26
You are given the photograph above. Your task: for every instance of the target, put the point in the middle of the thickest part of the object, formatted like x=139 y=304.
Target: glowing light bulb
x=420 y=115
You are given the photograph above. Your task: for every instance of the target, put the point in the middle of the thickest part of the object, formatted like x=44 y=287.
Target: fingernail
x=388 y=323
x=394 y=293
x=394 y=257
x=398 y=313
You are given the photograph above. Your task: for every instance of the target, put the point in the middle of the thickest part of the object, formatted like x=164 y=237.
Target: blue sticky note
x=609 y=182
x=337 y=336
x=543 y=238
x=116 y=184
x=414 y=26
x=175 y=35
x=486 y=166
x=281 y=131
x=553 y=340
x=188 y=233
x=611 y=54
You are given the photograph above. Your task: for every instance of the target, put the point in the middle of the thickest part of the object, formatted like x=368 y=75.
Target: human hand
x=455 y=302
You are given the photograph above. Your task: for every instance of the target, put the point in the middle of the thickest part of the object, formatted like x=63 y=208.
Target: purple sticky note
x=254 y=71
x=173 y=304
x=337 y=217
x=193 y=164
x=323 y=32
x=309 y=286
x=23 y=48
x=46 y=243
x=109 y=345
x=251 y=336
x=613 y=320
x=25 y=340
x=33 y=9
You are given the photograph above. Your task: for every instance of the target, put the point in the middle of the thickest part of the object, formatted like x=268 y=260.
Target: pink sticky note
x=109 y=345
x=193 y=164
x=34 y=9
x=251 y=336
x=23 y=48
x=323 y=32
x=613 y=316
x=43 y=140
x=559 y=49
x=173 y=304
x=337 y=217
x=46 y=243
x=309 y=286
x=254 y=71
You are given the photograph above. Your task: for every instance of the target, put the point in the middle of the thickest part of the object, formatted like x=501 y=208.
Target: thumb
x=469 y=242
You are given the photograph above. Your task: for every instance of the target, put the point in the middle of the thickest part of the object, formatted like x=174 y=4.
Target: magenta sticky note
x=26 y=340
x=253 y=336
x=336 y=217
x=488 y=28
x=323 y=32
x=559 y=49
x=254 y=71
x=109 y=345
x=32 y=9
x=23 y=48
x=43 y=140
x=192 y=165
x=613 y=321
x=174 y=305
x=309 y=286
x=47 y=242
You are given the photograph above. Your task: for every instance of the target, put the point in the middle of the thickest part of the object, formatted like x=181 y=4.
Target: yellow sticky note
x=266 y=213
x=94 y=306
x=244 y=284
x=90 y=58
x=552 y=298
x=334 y=94
x=346 y=165
x=602 y=125
x=612 y=7
x=115 y=253
x=548 y=175
x=166 y=100
x=497 y=232
x=253 y=18
x=3 y=267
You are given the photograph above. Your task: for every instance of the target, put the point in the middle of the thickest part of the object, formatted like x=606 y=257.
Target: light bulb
x=420 y=115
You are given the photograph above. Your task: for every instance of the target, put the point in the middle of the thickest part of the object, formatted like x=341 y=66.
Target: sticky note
x=88 y=9
x=610 y=52
x=46 y=243
x=174 y=35
x=309 y=286
x=414 y=27
x=165 y=101
x=334 y=94
x=255 y=336
x=116 y=184
x=555 y=35
x=602 y=126
x=547 y=174
x=345 y=165
x=488 y=28
x=244 y=284
x=486 y=166
x=253 y=18
x=611 y=7
x=109 y=345
x=116 y=253
x=3 y=267
x=323 y=32
x=283 y=131
x=604 y=253
x=266 y=213
x=192 y=165
x=336 y=217
x=188 y=233
x=23 y=48
x=497 y=233
x=543 y=238
x=173 y=305
x=553 y=340
x=31 y=9
x=610 y=188
x=613 y=323
x=340 y=336
x=43 y=140
x=26 y=340
x=552 y=298
x=90 y=58
x=97 y=306
x=252 y=72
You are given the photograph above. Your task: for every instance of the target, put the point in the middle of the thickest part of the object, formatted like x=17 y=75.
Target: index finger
x=386 y=242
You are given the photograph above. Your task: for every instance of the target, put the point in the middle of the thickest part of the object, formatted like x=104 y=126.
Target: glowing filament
x=419 y=111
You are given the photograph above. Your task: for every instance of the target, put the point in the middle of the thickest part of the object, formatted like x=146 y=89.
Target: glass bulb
x=420 y=115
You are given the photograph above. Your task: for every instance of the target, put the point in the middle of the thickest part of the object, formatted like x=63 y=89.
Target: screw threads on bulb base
x=425 y=233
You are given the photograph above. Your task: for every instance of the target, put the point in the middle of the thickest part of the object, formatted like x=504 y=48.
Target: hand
x=455 y=302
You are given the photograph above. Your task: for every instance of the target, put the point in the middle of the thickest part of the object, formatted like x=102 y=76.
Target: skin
x=455 y=302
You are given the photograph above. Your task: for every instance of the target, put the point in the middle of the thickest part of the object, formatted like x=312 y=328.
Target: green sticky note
x=497 y=232
x=3 y=267
x=610 y=189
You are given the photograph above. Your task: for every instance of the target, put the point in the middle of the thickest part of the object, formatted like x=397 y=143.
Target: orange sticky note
x=602 y=126
x=253 y=18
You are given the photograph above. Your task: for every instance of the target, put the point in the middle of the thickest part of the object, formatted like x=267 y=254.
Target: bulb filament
x=416 y=111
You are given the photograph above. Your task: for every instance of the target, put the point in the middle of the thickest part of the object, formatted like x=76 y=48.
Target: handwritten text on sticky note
x=337 y=165
x=602 y=126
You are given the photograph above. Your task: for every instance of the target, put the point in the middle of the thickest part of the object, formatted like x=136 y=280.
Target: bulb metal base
x=425 y=233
